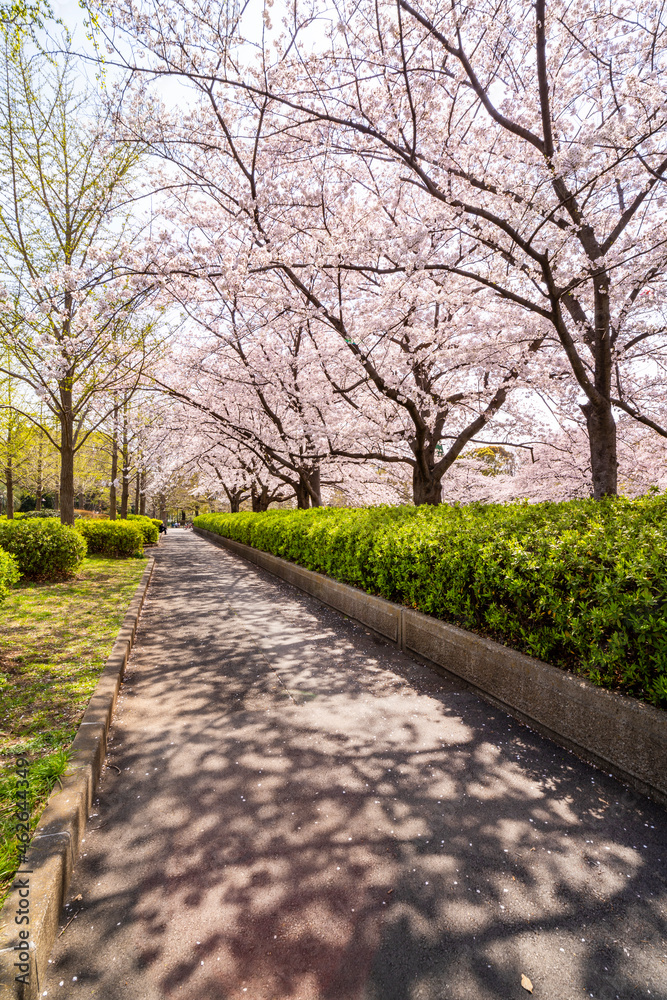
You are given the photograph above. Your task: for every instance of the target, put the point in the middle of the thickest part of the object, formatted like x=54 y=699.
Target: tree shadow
x=303 y=812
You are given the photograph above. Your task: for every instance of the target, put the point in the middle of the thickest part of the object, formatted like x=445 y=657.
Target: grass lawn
x=54 y=642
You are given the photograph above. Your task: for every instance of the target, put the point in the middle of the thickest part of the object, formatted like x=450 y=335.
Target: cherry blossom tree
x=418 y=365
x=538 y=143
x=231 y=473
x=263 y=387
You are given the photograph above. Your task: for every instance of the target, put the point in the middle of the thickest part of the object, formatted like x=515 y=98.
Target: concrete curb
x=621 y=735
x=57 y=839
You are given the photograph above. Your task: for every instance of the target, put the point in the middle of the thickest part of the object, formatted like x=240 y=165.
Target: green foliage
x=157 y=521
x=54 y=643
x=9 y=573
x=22 y=17
x=43 y=774
x=496 y=459
x=19 y=515
x=27 y=504
x=582 y=584
x=148 y=526
x=44 y=549
x=117 y=539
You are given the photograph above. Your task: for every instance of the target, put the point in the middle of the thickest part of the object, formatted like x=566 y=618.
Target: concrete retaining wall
x=621 y=735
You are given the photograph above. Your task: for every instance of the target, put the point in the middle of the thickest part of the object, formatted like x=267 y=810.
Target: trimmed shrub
x=44 y=549
x=158 y=522
x=9 y=573
x=148 y=527
x=117 y=539
x=582 y=584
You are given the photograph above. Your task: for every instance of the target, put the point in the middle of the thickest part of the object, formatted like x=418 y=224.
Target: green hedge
x=148 y=527
x=44 y=549
x=116 y=539
x=9 y=573
x=582 y=584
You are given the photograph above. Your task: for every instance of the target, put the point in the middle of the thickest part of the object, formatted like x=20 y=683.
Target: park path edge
x=57 y=839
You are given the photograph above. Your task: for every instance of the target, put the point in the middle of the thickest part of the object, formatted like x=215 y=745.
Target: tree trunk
x=66 y=459
x=66 y=483
x=316 y=489
x=114 y=468
x=302 y=495
x=9 y=482
x=40 y=483
x=163 y=510
x=125 y=493
x=426 y=486
x=602 y=440
x=142 y=494
x=234 y=503
x=125 y=486
x=260 y=499
x=599 y=417
x=308 y=492
x=135 y=509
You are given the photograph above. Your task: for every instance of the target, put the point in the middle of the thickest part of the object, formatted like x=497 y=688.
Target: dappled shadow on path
x=303 y=813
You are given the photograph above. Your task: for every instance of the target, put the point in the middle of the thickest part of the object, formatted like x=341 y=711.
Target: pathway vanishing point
x=298 y=811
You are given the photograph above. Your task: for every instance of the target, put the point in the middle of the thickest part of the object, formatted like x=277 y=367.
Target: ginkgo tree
x=67 y=320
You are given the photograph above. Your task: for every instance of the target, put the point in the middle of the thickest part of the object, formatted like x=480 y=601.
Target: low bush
x=9 y=573
x=582 y=584
x=44 y=549
x=117 y=539
x=158 y=522
x=148 y=526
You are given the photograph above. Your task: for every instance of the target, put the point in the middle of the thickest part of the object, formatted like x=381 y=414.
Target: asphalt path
x=295 y=810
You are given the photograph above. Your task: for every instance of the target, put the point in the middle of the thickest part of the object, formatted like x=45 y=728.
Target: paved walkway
x=297 y=811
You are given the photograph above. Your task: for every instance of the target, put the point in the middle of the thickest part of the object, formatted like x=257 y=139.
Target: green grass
x=54 y=641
